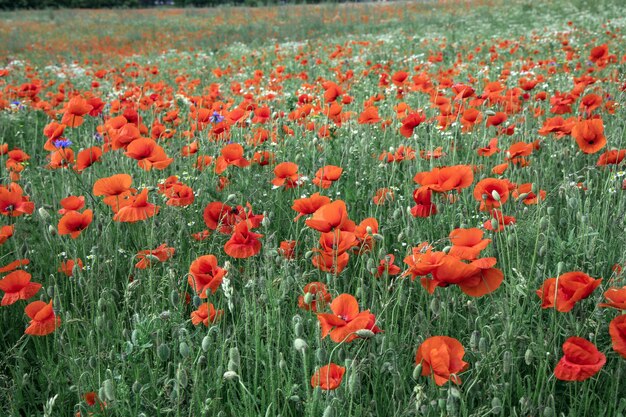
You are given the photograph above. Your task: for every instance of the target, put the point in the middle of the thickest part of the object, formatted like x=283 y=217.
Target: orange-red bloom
x=17 y=286
x=581 y=360
x=286 y=174
x=325 y=176
x=565 y=291
x=243 y=243
x=137 y=209
x=205 y=274
x=147 y=257
x=616 y=298
x=617 y=330
x=73 y=223
x=315 y=297
x=441 y=357
x=328 y=377
x=43 y=320
x=345 y=320
x=206 y=314
x=589 y=135
x=330 y=216
x=309 y=205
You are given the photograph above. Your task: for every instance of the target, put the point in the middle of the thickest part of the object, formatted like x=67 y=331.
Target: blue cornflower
x=216 y=117
x=62 y=143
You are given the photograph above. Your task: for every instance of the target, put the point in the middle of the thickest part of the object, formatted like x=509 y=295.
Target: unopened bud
x=230 y=375
x=365 y=333
x=300 y=345
x=495 y=195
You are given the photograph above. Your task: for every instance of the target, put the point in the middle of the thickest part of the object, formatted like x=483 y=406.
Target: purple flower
x=216 y=117
x=62 y=143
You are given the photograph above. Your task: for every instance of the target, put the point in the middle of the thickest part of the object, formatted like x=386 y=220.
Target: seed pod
x=365 y=333
x=559 y=267
x=233 y=355
x=298 y=329
x=510 y=239
x=230 y=375
x=174 y=298
x=206 y=343
x=496 y=405
x=507 y=362
x=329 y=412
x=300 y=345
x=354 y=382
x=181 y=376
x=308 y=298
x=184 y=350
x=321 y=356
x=435 y=306
x=163 y=351
x=482 y=345
x=474 y=339
x=528 y=356
x=108 y=389
x=417 y=371
x=494 y=224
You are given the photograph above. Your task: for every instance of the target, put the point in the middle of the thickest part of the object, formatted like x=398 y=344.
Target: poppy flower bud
x=559 y=267
x=474 y=339
x=108 y=390
x=231 y=197
x=496 y=405
x=341 y=355
x=181 y=376
x=233 y=355
x=206 y=343
x=542 y=251
x=441 y=403
x=365 y=333
x=548 y=412
x=321 y=356
x=354 y=382
x=507 y=362
x=550 y=210
x=163 y=352
x=434 y=306
x=294 y=398
x=174 y=298
x=452 y=405
x=495 y=195
x=378 y=237
x=43 y=213
x=300 y=345
x=522 y=197
x=510 y=240
x=183 y=349
x=482 y=345
x=298 y=329
x=230 y=375
x=50 y=291
x=528 y=356
x=308 y=254
x=417 y=371
x=52 y=230
x=329 y=412
x=494 y=224
x=446 y=249
x=136 y=387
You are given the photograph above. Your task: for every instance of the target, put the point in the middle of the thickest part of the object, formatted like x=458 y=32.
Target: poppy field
x=395 y=209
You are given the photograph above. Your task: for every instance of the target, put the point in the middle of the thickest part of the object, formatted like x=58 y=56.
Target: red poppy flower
x=566 y=290
x=206 y=314
x=315 y=297
x=147 y=257
x=12 y=201
x=616 y=298
x=345 y=320
x=325 y=176
x=287 y=249
x=43 y=320
x=138 y=209
x=232 y=154
x=492 y=193
x=441 y=357
x=309 y=205
x=17 y=286
x=330 y=216
x=286 y=175
x=467 y=243
x=72 y=203
x=386 y=265
x=5 y=233
x=617 y=330
x=581 y=360
x=589 y=135
x=328 y=377
x=205 y=274
x=67 y=267
x=73 y=223
x=243 y=243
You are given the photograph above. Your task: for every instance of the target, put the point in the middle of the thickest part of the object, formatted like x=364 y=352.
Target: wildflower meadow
x=372 y=209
